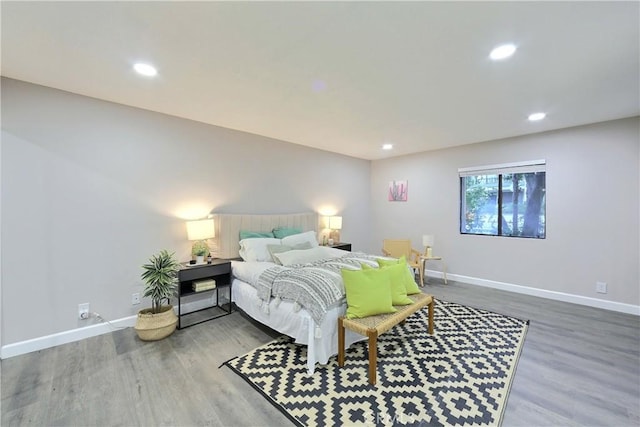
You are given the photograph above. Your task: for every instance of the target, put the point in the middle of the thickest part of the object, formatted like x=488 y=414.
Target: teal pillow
x=397 y=278
x=409 y=282
x=244 y=234
x=282 y=232
x=368 y=292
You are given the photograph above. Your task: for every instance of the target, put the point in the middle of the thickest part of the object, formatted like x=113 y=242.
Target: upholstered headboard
x=228 y=228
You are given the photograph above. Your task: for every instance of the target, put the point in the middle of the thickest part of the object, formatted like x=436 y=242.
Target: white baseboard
x=543 y=293
x=65 y=337
x=78 y=334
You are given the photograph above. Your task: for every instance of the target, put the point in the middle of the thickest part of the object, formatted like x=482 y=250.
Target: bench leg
x=373 y=354
x=340 y=342
x=432 y=306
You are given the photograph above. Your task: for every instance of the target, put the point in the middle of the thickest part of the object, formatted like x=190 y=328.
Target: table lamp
x=427 y=242
x=335 y=224
x=200 y=230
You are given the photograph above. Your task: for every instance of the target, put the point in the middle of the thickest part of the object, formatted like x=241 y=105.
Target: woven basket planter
x=153 y=327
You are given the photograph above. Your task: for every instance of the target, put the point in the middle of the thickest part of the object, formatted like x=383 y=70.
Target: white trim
x=48 y=341
x=65 y=337
x=503 y=166
x=542 y=293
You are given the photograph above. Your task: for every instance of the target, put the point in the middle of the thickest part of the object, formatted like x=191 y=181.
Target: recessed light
x=502 y=52
x=387 y=146
x=536 y=116
x=145 y=69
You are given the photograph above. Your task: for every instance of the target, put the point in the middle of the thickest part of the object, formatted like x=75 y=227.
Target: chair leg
x=373 y=355
x=422 y=272
x=340 y=341
x=432 y=306
x=444 y=271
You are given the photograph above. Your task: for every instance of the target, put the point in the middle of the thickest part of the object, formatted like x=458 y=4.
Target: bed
x=282 y=315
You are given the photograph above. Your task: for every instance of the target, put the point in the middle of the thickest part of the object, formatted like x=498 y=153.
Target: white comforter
x=321 y=339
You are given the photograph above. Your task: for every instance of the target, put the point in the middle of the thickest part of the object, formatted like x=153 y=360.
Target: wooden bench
x=374 y=326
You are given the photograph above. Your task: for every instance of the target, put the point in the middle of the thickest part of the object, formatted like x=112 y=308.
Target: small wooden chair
x=397 y=247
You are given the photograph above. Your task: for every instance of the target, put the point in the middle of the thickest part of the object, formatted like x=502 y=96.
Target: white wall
x=0 y=242
x=592 y=211
x=90 y=189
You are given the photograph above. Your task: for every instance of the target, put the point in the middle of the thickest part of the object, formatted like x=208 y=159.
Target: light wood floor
x=580 y=367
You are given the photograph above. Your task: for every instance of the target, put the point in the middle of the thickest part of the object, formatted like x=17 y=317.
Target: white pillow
x=255 y=248
x=278 y=249
x=304 y=256
x=296 y=239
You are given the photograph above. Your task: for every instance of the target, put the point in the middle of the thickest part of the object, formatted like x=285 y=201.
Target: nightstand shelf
x=342 y=245
x=220 y=271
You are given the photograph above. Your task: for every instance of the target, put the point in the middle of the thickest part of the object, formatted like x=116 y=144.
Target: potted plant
x=161 y=279
x=200 y=249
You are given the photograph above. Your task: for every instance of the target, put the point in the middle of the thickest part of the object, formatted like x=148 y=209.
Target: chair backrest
x=397 y=247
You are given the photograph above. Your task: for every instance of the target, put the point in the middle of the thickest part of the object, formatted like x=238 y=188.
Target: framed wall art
x=398 y=191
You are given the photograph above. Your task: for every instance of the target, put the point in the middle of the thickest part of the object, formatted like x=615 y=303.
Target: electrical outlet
x=135 y=299
x=601 y=287
x=83 y=311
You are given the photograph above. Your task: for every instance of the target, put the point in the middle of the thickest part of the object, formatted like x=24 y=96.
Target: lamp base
x=335 y=235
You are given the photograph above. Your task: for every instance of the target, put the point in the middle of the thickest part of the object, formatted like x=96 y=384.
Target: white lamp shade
x=201 y=229
x=427 y=240
x=335 y=222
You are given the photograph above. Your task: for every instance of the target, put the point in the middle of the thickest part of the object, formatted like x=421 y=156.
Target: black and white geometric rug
x=459 y=376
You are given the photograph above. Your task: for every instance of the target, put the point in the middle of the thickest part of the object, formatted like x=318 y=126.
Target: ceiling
x=340 y=76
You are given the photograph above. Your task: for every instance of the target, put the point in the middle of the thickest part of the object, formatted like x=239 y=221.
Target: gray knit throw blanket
x=315 y=286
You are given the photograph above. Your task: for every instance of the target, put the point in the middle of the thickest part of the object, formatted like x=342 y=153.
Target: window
x=504 y=200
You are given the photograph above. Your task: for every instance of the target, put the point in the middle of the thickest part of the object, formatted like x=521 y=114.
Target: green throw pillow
x=368 y=292
x=282 y=232
x=396 y=277
x=244 y=234
x=409 y=282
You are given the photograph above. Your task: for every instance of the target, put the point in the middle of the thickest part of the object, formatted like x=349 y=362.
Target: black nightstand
x=342 y=245
x=220 y=271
